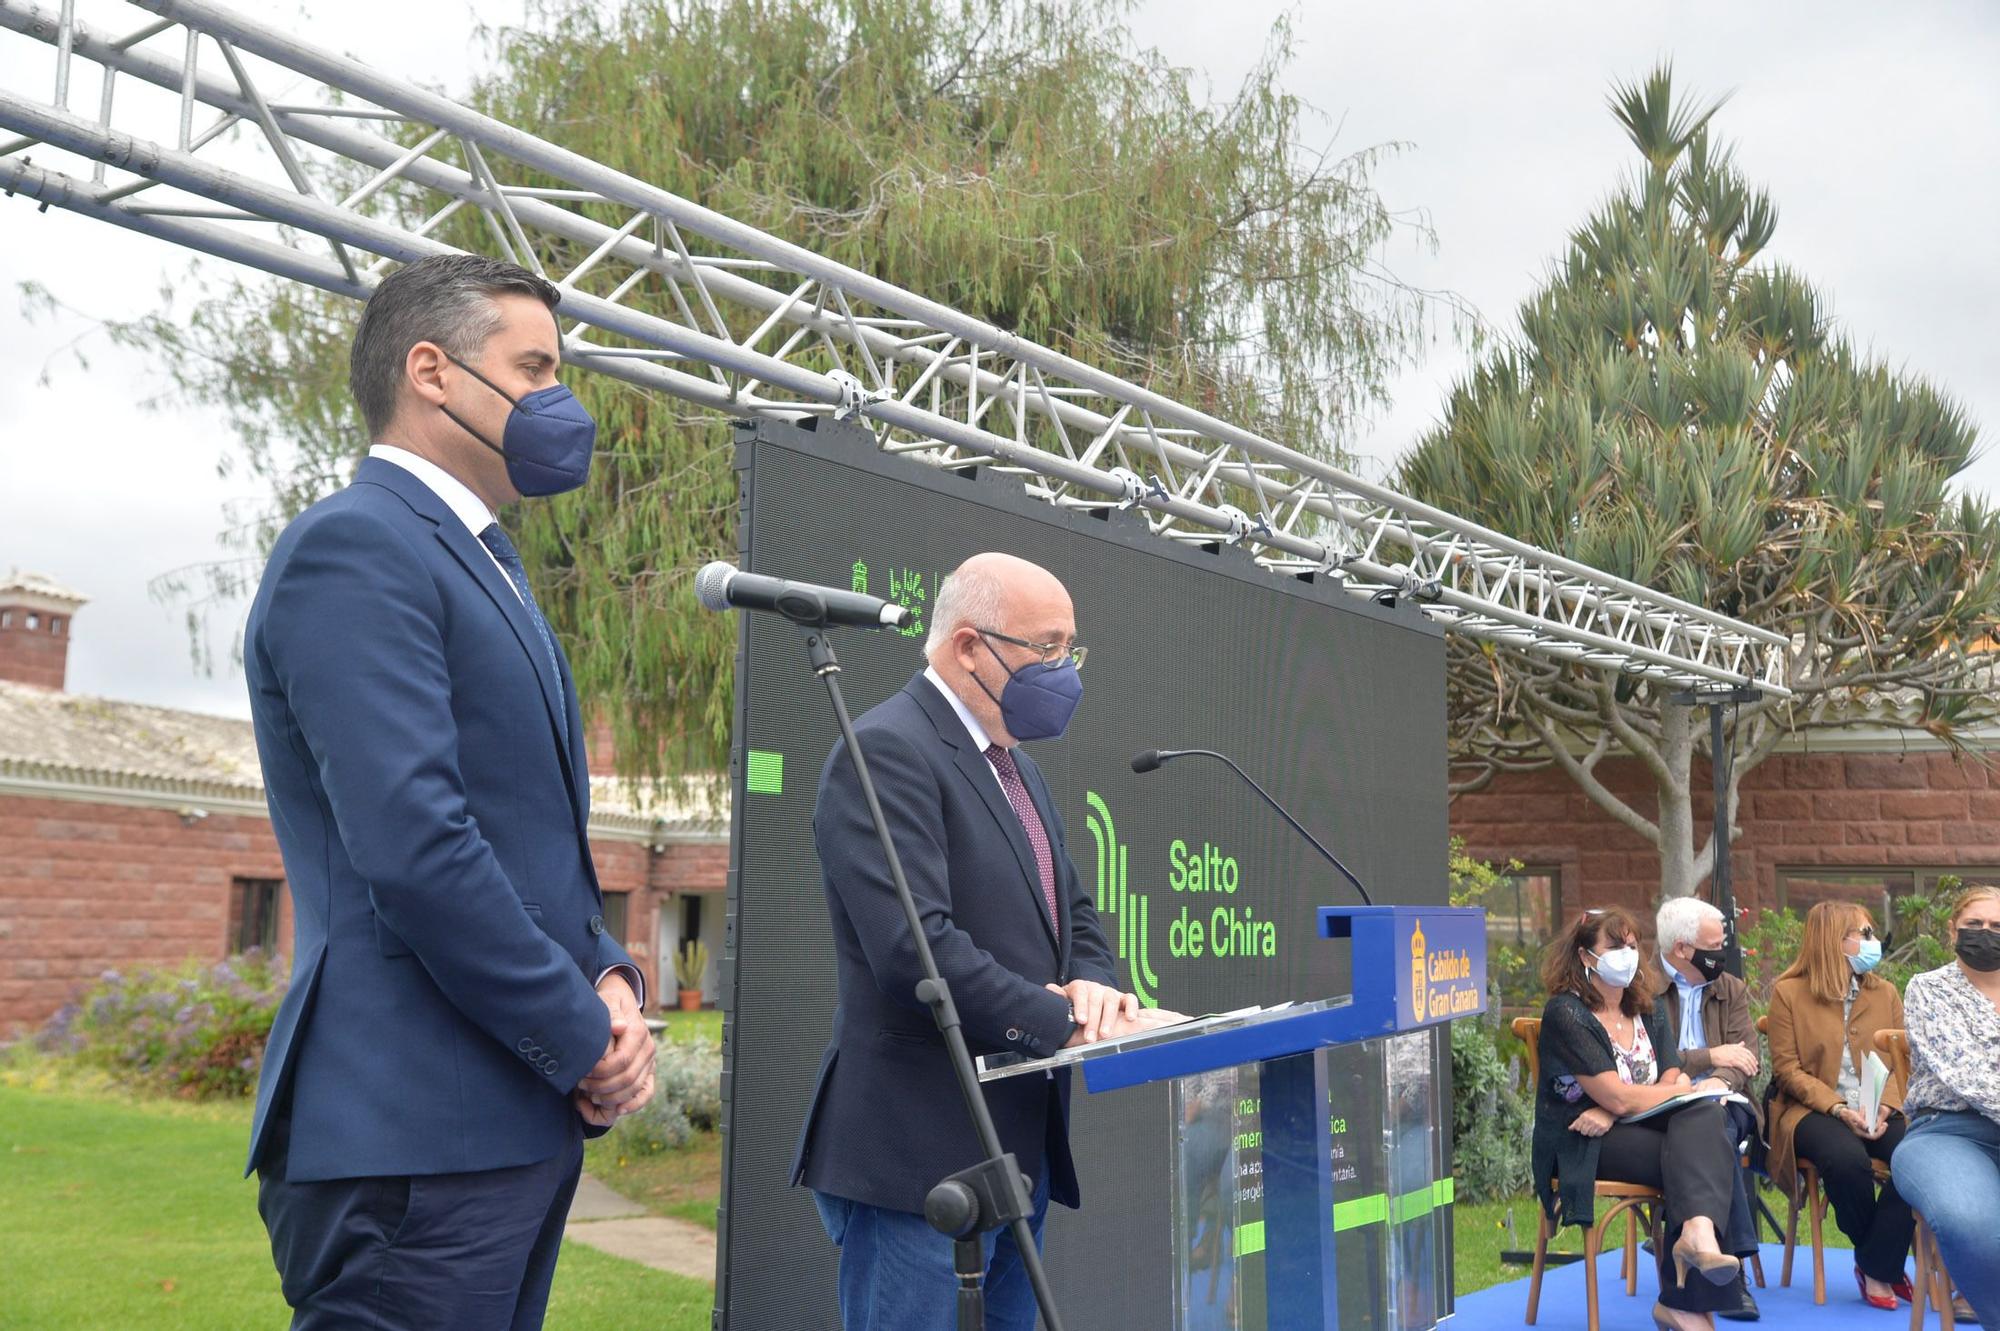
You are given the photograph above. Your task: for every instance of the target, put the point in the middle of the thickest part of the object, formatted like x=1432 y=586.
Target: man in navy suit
x=1009 y=922
x=458 y=1018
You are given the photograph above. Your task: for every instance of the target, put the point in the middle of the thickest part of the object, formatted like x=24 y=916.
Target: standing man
x=1006 y=916
x=1709 y=1010
x=458 y=1019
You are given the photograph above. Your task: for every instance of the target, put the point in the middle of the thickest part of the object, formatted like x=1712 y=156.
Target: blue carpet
x=1562 y=1299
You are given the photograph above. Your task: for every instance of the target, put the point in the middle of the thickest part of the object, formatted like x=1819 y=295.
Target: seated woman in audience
x=1606 y=1054
x=1949 y=1162
x=1825 y=1011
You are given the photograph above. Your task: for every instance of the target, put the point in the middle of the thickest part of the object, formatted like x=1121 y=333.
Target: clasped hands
x=622 y=1080
x=1852 y=1118
x=1103 y=1013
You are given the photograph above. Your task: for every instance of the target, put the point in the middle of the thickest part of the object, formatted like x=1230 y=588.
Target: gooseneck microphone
x=1153 y=758
x=721 y=586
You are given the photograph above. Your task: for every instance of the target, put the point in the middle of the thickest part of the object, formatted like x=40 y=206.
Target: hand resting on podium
x=1103 y=1013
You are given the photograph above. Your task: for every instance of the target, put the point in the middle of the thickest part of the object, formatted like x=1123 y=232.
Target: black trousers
x=1880 y=1228
x=426 y=1252
x=1688 y=1156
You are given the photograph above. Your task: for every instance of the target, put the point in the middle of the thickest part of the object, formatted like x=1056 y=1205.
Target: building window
x=1521 y=908
x=615 y=904
x=34 y=621
x=253 y=913
x=6 y=619
x=55 y=625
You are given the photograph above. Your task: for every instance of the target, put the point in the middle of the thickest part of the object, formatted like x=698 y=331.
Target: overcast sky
x=1876 y=128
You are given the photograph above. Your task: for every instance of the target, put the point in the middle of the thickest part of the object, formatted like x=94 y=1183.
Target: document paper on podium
x=992 y=1067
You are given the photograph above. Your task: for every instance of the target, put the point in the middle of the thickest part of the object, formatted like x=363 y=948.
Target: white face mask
x=1617 y=967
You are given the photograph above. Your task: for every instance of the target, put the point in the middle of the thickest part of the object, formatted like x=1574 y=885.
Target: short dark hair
x=442 y=298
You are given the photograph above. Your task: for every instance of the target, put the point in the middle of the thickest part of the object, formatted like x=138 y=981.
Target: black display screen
x=1334 y=703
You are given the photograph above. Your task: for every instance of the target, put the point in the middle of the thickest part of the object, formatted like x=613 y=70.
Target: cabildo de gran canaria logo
x=1230 y=931
x=1444 y=981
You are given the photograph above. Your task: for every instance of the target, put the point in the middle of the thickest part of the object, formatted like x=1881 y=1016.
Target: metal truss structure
x=348 y=172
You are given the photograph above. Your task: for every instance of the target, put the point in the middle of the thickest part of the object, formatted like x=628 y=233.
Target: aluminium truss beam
x=681 y=299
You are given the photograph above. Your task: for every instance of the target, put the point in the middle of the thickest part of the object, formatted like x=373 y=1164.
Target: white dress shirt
x=980 y=739
x=466 y=506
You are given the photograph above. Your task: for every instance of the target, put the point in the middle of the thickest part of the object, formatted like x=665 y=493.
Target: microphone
x=720 y=586
x=1150 y=759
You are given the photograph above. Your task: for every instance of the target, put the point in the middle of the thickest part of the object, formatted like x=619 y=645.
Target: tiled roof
x=85 y=744
x=79 y=740
x=37 y=585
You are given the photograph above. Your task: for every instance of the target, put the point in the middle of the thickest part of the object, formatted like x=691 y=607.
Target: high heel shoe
x=1886 y=1302
x=1666 y=1319
x=1717 y=1268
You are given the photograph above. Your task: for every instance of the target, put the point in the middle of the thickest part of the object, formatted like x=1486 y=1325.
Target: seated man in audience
x=1708 y=1010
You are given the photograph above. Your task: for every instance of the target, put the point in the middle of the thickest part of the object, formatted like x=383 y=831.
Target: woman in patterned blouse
x=1606 y=1054
x=1948 y=1165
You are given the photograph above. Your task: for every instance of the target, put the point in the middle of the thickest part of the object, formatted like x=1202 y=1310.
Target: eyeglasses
x=1865 y=932
x=1052 y=654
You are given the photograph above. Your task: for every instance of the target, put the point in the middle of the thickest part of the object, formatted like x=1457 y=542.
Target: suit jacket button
x=1013 y=1033
x=525 y=1045
x=597 y=924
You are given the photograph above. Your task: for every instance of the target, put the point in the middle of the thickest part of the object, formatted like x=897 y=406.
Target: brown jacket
x=1807 y=1046
x=1725 y=1019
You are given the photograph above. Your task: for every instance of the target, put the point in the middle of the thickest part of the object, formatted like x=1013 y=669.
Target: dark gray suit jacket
x=887 y=1122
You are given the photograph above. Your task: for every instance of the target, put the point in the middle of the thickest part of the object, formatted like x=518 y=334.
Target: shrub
x=197 y=1031
x=1922 y=924
x=687 y=1099
x=1491 y=1115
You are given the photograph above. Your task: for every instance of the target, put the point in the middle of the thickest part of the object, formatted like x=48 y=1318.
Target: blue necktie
x=517 y=573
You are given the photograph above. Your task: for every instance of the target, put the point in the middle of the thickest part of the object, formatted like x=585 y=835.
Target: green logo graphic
x=1116 y=901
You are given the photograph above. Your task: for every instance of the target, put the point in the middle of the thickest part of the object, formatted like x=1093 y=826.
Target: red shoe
x=1904 y=1290
x=1886 y=1302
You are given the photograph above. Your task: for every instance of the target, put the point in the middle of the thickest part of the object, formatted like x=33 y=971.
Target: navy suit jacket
x=447 y=921
x=887 y=1122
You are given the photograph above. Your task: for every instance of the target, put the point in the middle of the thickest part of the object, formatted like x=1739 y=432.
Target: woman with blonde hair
x=1949 y=1162
x=1606 y=1053
x=1825 y=1011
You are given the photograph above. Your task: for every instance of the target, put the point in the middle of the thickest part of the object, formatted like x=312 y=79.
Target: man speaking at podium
x=458 y=1017
x=1008 y=920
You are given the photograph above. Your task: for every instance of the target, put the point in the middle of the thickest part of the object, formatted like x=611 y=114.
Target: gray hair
x=1680 y=919
x=443 y=298
x=968 y=598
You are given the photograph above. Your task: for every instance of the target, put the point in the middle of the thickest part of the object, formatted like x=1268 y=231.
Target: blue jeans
x=1948 y=1168
x=896 y=1271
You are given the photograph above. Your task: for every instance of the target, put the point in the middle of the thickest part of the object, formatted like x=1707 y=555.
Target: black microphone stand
x=993 y=1193
x=1162 y=755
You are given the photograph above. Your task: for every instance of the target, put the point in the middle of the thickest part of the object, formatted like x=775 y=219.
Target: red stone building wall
x=37 y=655
x=1841 y=814
x=87 y=887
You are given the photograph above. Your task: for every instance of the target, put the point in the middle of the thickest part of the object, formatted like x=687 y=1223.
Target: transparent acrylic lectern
x=1311 y=1160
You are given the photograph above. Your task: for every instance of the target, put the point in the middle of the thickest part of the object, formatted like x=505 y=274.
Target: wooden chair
x=1933 y=1283
x=1627 y=1200
x=1807 y=1195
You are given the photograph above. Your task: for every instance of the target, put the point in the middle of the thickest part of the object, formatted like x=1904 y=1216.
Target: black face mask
x=1979 y=949
x=1708 y=960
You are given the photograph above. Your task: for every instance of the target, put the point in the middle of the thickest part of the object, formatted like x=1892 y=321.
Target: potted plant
x=689 y=964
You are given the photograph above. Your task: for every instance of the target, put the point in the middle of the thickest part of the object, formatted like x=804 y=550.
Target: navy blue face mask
x=548 y=441
x=1036 y=702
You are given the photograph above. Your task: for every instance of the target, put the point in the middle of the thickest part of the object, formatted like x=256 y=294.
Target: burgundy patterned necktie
x=1031 y=823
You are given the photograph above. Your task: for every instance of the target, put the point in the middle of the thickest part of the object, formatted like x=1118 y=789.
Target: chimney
x=36 y=618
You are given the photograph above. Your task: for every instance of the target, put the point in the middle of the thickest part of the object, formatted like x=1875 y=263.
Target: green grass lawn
x=704 y=1024
x=1480 y=1235
x=117 y=1211
x=128 y=1213
x=685 y=1184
